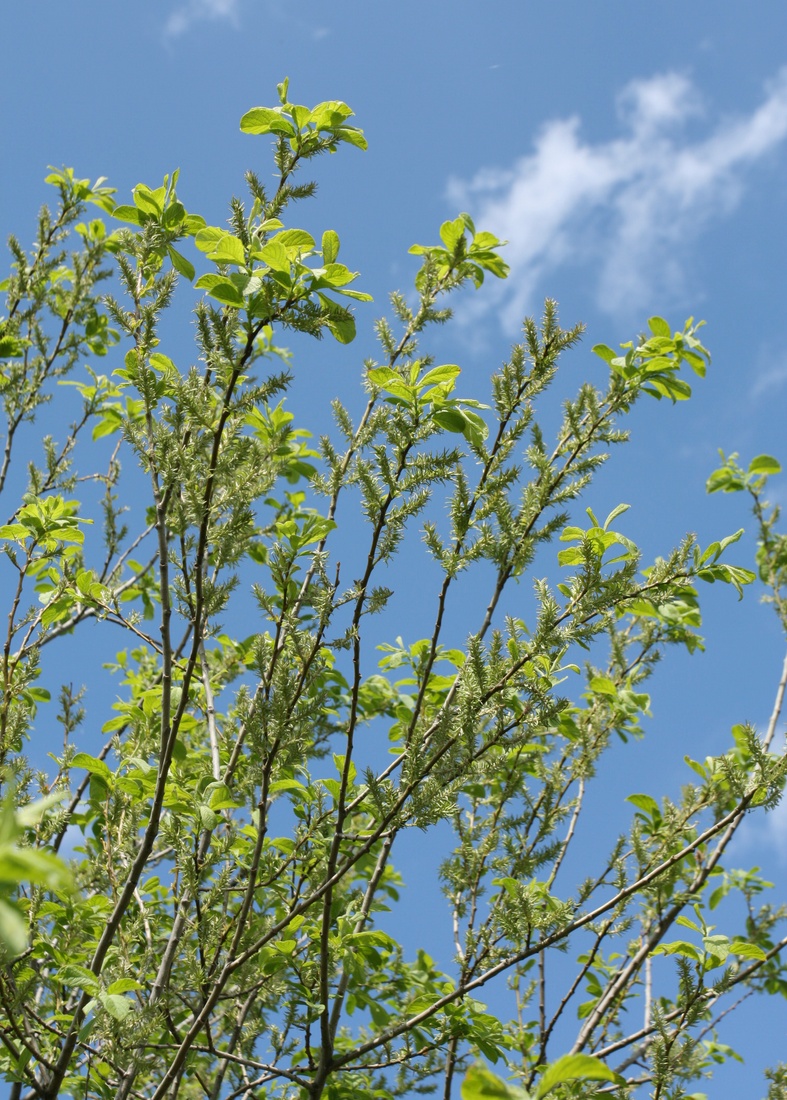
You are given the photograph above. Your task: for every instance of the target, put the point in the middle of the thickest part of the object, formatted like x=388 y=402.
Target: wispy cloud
x=189 y=12
x=765 y=834
x=195 y=11
x=627 y=209
x=769 y=380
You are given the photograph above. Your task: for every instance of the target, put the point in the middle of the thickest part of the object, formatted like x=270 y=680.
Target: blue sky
x=633 y=155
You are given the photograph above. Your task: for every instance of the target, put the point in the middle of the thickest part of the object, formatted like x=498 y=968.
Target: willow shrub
x=205 y=907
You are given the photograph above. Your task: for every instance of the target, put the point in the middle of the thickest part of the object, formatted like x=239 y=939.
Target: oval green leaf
x=330 y=246
x=573 y=1067
x=765 y=464
x=266 y=120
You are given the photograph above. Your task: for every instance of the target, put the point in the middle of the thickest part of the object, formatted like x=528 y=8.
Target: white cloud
x=765 y=834
x=189 y=12
x=194 y=11
x=769 y=380
x=628 y=209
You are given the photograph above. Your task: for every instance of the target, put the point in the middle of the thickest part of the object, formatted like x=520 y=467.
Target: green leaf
x=476 y=429
x=208 y=818
x=573 y=556
x=228 y=250
x=275 y=255
x=29 y=815
x=352 y=136
x=208 y=237
x=174 y=215
x=491 y=262
x=452 y=419
x=621 y=508
x=127 y=214
x=33 y=865
x=696 y=362
x=330 y=246
x=295 y=240
x=124 y=985
x=13 y=929
x=667 y=386
x=379 y=376
x=728 y=540
x=604 y=352
x=267 y=120
x=342 y=328
x=659 y=327
x=746 y=950
x=678 y=947
x=162 y=363
x=221 y=799
x=711 y=551
x=483 y=241
x=337 y=275
x=207 y=282
x=183 y=266
x=645 y=803
x=117 y=1007
x=111 y=421
x=91 y=764
x=192 y=224
x=79 y=977
x=222 y=290
x=147 y=201
x=388 y=380
x=16 y=531
x=451 y=233
x=285 y=785
x=735 y=575
x=480 y=1084
x=725 y=480
x=330 y=115
x=12 y=347
x=438 y=375
x=602 y=685
x=573 y=1067
x=765 y=464
x=356 y=295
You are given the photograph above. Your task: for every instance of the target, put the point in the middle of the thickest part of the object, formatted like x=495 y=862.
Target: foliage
x=223 y=929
